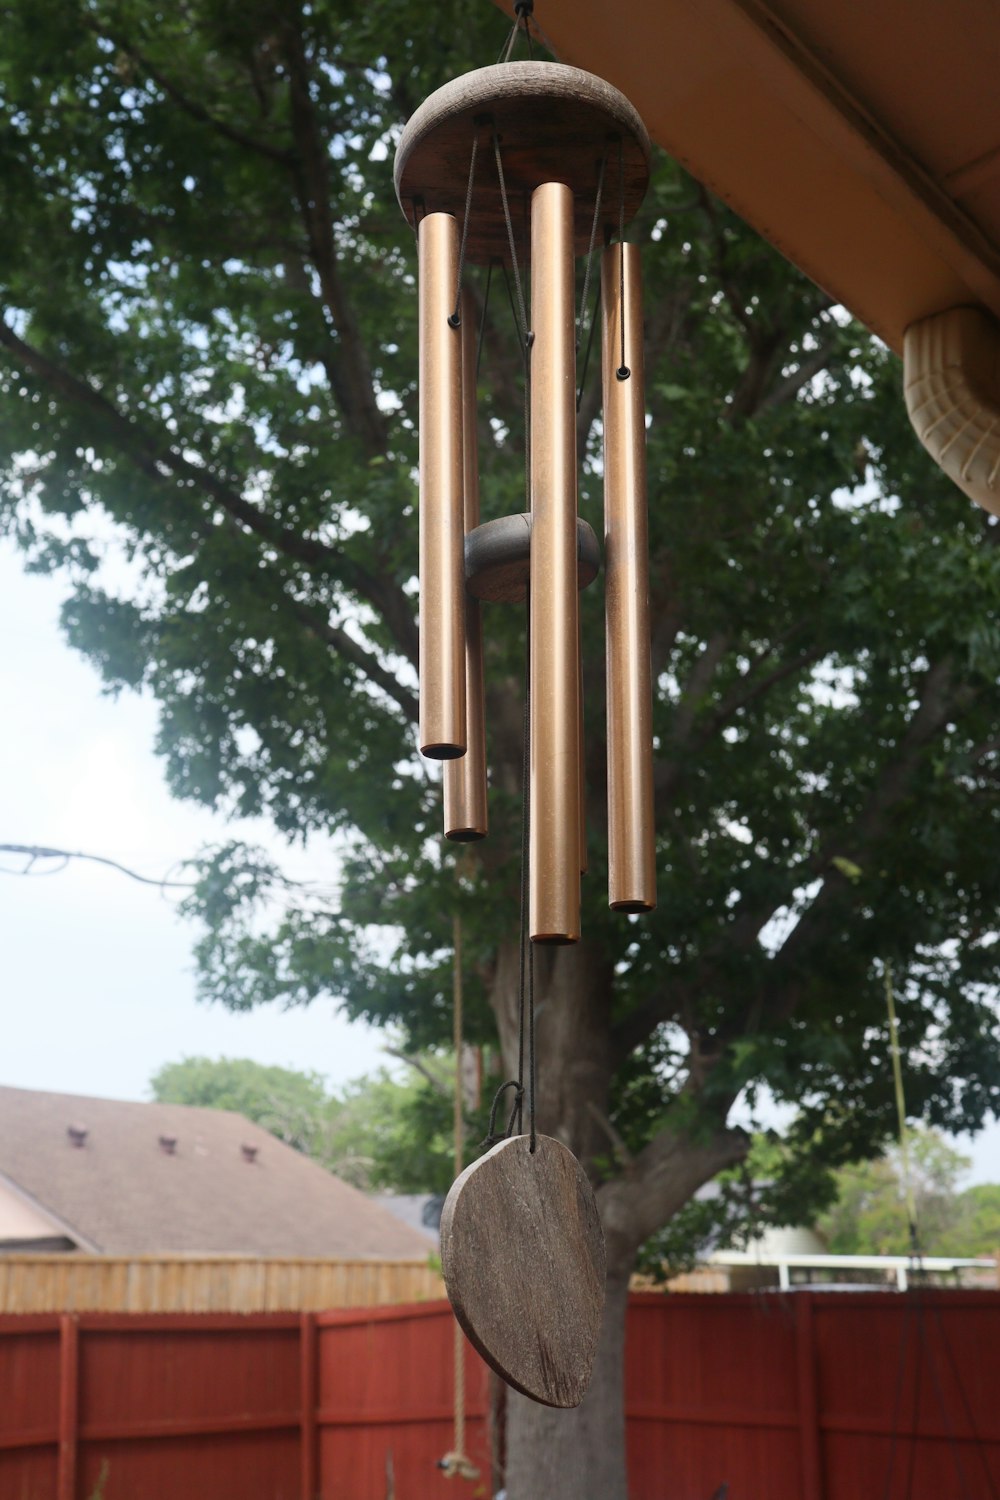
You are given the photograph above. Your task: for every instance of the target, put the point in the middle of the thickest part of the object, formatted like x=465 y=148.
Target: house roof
x=126 y=1190
x=862 y=140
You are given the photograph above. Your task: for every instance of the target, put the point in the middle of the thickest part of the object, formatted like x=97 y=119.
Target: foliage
x=977 y=1231
x=291 y=1105
x=207 y=369
x=871 y=1216
x=378 y=1132
x=777 y=1184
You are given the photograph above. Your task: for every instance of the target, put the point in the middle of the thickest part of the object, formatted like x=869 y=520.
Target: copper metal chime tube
x=582 y=743
x=465 y=816
x=631 y=850
x=554 y=798
x=442 y=532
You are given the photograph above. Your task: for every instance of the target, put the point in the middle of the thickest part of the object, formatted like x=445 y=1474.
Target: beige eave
x=862 y=138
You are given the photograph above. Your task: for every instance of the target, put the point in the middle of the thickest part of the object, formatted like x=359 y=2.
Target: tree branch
x=940 y=700
x=789 y=386
x=352 y=651
x=350 y=377
x=667 y=774
x=437 y=1084
x=663 y=1177
x=160 y=462
x=193 y=107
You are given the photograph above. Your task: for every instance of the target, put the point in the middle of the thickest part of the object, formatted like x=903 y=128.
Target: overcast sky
x=96 y=972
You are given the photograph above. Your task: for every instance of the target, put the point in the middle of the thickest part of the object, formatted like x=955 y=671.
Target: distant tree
x=377 y=1132
x=977 y=1225
x=870 y=1216
x=291 y=1105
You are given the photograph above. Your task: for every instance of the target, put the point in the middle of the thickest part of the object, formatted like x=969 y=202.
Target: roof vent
x=77 y=1135
x=168 y=1145
x=249 y=1152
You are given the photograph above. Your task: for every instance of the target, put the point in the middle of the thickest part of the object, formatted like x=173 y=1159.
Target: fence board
x=781 y=1397
x=208 y=1283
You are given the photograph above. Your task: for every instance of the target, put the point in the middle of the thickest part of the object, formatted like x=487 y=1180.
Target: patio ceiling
x=863 y=140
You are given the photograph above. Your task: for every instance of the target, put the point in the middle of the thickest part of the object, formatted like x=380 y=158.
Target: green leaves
x=378 y=1132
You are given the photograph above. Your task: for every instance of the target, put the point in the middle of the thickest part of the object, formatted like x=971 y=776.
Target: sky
x=97 y=982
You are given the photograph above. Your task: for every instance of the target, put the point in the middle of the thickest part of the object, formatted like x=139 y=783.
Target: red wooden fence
x=809 y=1396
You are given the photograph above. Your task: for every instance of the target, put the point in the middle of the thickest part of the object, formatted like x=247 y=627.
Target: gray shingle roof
x=125 y=1194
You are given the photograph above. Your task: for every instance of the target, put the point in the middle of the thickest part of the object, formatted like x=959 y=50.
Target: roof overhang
x=863 y=141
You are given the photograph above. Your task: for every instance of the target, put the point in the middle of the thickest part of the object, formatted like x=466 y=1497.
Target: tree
x=208 y=357
x=290 y=1104
x=871 y=1212
x=977 y=1230
x=377 y=1132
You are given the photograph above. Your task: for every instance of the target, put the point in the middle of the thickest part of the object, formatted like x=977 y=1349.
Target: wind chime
x=526 y=166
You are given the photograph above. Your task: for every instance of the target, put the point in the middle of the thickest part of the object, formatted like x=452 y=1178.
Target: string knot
x=491 y=1131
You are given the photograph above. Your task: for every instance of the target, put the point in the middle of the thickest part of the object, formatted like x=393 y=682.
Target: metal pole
x=631 y=844
x=442 y=538
x=465 y=814
x=554 y=904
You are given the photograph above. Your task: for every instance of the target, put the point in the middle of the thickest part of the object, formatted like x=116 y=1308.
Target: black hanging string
x=590 y=248
x=455 y=320
x=522 y=11
x=586 y=283
x=491 y=1130
x=526 y=950
x=623 y=372
x=482 y=320
x=508 y=221
x=527 y=960
x=520 y=316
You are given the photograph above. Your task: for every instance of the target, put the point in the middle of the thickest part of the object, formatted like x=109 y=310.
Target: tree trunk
x=579 y=1454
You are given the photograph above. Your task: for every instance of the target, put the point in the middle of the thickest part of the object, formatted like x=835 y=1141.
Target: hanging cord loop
x=492 y=1136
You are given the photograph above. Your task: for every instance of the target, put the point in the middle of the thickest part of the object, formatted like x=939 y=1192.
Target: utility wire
x=34 y=852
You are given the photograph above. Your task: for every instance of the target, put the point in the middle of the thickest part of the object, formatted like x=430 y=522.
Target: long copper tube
x=442 y=537
x=554 y=801
x=465 y=816
x=631 y=845
x=582 y=751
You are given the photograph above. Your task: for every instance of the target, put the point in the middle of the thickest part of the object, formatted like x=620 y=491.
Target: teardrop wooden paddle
x=522 y=1251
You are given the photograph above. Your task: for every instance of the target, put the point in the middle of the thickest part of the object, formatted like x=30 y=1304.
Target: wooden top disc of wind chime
x=553 y=123
x=522 y=1251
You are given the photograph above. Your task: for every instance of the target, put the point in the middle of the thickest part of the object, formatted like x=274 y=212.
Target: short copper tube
x=442 y=726
x=554 y=792
x=465 y=815
x=631 y=845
